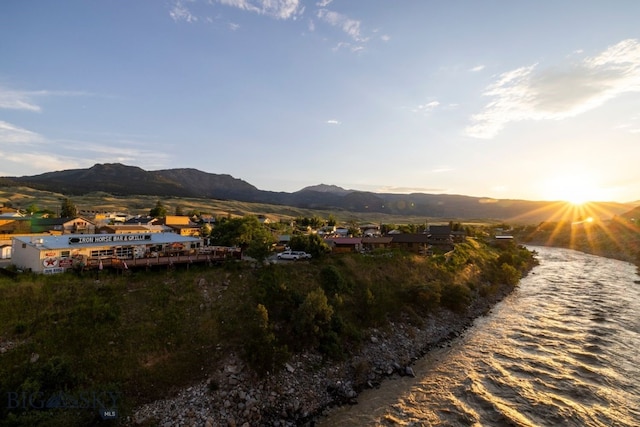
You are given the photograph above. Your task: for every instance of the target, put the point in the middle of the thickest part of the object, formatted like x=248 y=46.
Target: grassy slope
x=22 y=197
x=148 y=333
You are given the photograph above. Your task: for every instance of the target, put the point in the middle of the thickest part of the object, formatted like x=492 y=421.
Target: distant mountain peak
x=325 y=188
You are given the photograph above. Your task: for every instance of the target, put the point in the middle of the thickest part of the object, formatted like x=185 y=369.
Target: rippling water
x=562 y=350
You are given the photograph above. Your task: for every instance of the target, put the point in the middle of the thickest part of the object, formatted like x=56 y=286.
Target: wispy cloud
x=426 y=108
x=13 y=100
x=16 y=135
x=408 y=190
x=631 y=126
x=179 y=12
x=346 y=24
x=26 y=100
x=280 y=9
x=333 y=122
x=530 y=93
x=28 y=163
x=477 y=68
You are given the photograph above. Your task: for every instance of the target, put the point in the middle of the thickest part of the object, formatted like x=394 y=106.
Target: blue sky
x=504 y=99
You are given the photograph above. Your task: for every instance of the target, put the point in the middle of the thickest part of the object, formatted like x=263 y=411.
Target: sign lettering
x=109 y=238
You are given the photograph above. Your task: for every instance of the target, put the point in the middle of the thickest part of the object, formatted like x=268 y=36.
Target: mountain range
x=123 y=180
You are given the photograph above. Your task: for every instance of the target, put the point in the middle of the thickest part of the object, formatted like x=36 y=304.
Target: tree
x=247 y=233
x=68 y=209
x=179 y=210
x=310 y=243
x=354 y=228
x=261 y=349
x=159 y=211
x=32 y=209
x=313 y=316
x=386 y=228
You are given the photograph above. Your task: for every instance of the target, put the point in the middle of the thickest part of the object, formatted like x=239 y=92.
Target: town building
x=78 y=225
x=55 y=254
x=411 y=242
x=182 y=225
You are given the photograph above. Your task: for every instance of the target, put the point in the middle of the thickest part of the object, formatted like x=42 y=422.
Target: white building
x=55 y=254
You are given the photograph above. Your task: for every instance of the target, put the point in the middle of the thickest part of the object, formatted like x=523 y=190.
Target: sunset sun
x=574 y=189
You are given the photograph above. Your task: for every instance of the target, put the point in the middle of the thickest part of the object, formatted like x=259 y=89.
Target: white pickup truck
x=294 y=255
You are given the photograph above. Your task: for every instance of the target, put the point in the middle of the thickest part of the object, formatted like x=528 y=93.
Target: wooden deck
x=168 y=260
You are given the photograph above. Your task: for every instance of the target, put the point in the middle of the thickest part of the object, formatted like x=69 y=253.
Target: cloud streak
x=15 y=135
x=25 y=100
x=14 y=100
x=280 y=9
x=179 y=12
x=346 y=24
x=530 y=93
x=426 y=108
x=408 y=190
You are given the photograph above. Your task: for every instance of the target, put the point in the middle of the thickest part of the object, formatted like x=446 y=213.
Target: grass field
x=23 y=197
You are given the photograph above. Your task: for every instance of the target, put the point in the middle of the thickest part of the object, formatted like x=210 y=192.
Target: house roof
x=410 y=238
x=10 y=215
x=44 y=222
x=379 y=240
x=346 y=240
x=141 y=220
x=440 y=230
x=129 y=227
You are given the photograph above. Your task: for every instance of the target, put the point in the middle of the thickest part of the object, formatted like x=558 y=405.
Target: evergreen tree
x=159 y=211
x=68 y=209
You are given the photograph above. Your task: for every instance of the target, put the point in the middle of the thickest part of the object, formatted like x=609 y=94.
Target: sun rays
x=589 y=226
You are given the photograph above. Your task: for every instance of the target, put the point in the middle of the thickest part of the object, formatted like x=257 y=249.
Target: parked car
x=294 y=255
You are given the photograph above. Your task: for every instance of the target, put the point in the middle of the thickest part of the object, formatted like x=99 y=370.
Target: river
x=562 y=350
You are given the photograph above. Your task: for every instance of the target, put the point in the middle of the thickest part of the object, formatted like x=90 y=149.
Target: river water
x=562 y=350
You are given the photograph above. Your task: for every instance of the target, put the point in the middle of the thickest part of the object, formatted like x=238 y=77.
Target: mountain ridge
x=124 y=180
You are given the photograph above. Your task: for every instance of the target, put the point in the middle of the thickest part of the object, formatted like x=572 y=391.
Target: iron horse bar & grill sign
x=109 y=238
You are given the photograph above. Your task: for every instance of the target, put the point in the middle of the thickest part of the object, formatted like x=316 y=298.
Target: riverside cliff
x=240 y=345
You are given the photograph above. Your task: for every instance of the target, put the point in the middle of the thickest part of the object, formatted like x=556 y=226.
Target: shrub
x=332 y=281
x=313 y=317
x=425 y=296
x=456 y=297
x=509 y=274
x=260 y=348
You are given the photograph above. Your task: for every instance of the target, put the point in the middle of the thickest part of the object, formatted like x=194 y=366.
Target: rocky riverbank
x=307 y=385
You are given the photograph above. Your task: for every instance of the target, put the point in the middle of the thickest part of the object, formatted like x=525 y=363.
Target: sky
x=503 y=99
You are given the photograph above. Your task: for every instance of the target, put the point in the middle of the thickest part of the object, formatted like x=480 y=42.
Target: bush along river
x=562 y=349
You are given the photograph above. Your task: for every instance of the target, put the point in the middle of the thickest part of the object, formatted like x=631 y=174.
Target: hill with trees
x=121 y=180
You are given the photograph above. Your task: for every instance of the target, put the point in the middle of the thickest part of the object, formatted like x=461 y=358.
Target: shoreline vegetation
x=617 y=239
x=238 y=344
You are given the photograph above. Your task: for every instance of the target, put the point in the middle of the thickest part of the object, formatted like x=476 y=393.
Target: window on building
x=101 y=253
x=124 y=252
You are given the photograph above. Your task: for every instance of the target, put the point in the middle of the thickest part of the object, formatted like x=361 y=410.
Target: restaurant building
x=56 y=254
